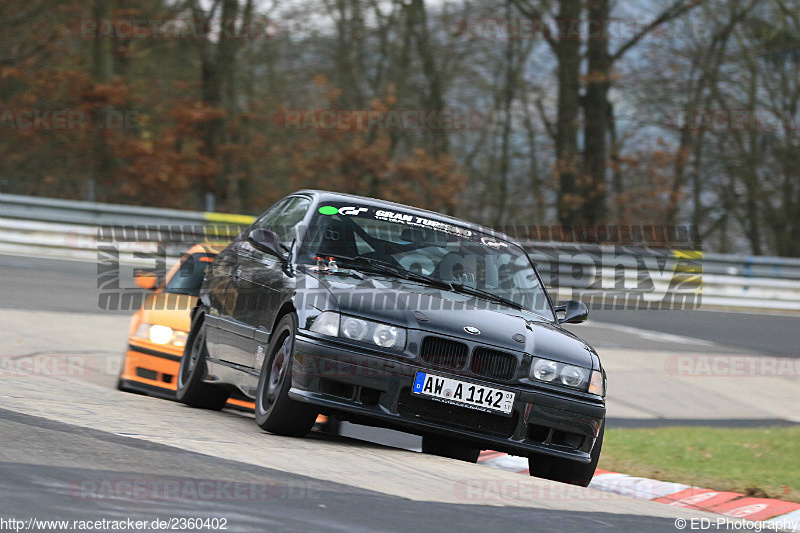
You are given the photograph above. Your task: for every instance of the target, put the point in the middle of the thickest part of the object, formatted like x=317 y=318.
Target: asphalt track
x=70 y=459
x=52 y=470
x=63 y=436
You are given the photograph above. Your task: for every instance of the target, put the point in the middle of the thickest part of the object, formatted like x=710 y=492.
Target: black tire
x=275 y=411
x=191 y=389
x=564 y=470
x=452 y=448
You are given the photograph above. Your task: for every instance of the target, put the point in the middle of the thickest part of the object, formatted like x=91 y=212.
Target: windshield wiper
x=387 y=268
x=374 y=263
x=422 y=278
x=485 y=295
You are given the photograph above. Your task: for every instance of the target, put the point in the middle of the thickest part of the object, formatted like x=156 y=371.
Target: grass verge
x=760 y=462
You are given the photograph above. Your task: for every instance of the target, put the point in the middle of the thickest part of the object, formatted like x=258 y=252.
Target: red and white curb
x=730 y=504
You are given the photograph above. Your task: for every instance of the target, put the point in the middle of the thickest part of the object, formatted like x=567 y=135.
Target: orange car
x=158 y=330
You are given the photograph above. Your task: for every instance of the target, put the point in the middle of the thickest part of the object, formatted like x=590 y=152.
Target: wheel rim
x=194 y=356
x=279 y=364
x=277 y=372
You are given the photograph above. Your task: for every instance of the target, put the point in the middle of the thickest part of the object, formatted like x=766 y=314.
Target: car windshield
x=189 y=276
x=369 y=238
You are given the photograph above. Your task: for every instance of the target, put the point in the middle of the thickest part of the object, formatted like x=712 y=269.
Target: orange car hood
x=168 y=309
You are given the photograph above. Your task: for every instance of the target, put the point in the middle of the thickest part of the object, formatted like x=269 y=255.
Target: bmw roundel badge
x=472 y=330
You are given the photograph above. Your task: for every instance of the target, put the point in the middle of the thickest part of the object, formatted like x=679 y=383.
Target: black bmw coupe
x=387 y=315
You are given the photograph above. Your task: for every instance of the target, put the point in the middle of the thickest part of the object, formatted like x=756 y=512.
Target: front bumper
x=155 y=373
x=375 y=390
x=150 y=371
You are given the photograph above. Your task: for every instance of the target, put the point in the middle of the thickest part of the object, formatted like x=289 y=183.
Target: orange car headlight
x=179 y=338
x=161 y=334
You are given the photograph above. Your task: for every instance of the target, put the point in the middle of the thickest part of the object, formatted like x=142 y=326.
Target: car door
x=234 y=338
x=265 y=281
x=220 y=293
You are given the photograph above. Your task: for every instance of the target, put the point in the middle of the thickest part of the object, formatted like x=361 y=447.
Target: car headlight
x=354 y=328
x=357 y=329
x=387 y=336
x=158 y=334
x=544 y=370
x=572 y=376
x=326 y=324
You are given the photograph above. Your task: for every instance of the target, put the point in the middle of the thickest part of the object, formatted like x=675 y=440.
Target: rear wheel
x=452 y=448
x=275 y=411
x=564 y=470
x=191 y=389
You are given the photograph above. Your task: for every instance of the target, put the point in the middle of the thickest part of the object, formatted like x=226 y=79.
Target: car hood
x=416 y=306
x=168 y=309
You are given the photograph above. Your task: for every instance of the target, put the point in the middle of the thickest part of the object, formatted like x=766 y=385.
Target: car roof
x=330 y=196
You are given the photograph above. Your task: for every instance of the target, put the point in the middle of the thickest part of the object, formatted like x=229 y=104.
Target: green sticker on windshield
x=328 y=210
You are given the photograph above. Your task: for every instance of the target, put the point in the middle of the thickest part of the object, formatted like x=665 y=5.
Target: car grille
x=493 y=364
x=455 y=416
x=444 y=353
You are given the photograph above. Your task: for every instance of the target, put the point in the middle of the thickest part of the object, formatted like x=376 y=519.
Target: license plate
x=458 y=392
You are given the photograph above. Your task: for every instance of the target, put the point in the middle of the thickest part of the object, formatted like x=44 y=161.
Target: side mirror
x=574 y=311
x=266 y=241
x=145 y=279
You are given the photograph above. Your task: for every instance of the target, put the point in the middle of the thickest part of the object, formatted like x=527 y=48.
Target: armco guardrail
x=602 y=275
x=77 y=230
x=642 y=277
x=98 y=214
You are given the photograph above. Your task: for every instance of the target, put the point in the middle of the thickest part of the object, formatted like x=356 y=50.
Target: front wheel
x=452 y=448
x=564 y=470
x=275 y=411
x=191 y=389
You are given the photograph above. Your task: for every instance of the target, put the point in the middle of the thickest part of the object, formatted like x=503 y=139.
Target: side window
x=285 y=224
x=267 y=220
